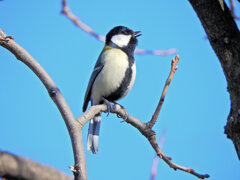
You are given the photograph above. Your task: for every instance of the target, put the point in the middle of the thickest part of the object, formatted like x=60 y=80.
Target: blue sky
x=194 y=112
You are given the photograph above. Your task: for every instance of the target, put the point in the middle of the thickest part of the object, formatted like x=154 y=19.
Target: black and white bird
x=113 y=76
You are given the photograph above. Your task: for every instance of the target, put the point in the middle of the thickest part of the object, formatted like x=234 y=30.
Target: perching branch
x=144 y=128
x=16 y=167
x=74 y=128
x=66 y=11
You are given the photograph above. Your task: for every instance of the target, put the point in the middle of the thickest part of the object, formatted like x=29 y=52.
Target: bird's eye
x=125 y=32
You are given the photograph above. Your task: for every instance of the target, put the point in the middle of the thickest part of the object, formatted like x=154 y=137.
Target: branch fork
x=144 y=128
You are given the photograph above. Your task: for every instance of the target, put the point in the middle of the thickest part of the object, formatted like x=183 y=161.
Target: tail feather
x=93 y=134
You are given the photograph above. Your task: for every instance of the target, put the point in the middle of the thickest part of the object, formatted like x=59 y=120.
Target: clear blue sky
x=195 y=109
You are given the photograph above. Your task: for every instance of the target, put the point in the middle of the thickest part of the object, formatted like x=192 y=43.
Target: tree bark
x=224 y=37
x=16 y=167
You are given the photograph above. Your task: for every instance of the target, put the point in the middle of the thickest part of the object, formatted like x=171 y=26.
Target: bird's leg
x=105 y=101
x=126 y=112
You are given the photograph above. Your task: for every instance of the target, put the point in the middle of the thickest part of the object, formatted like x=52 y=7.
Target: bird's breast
x=109 y=79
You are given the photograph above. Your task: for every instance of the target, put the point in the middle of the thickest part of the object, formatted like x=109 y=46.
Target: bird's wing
x=97 y=69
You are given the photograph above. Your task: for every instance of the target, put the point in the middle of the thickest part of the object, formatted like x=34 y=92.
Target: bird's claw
x=108 y=105
x=119 y=116
x=126 y=112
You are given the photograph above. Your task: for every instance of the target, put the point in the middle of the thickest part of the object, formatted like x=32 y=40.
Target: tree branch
x=223 y=35
x=66 y=11
x=74 y=128
x=16 y=167
x=168 y=81
x=143 y=128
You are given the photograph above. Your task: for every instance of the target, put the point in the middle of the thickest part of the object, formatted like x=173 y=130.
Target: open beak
x=137 y=33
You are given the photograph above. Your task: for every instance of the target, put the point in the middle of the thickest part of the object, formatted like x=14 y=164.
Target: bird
x=113 y=76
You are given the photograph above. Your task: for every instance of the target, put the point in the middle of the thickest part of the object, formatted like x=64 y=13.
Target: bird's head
x=122 y=37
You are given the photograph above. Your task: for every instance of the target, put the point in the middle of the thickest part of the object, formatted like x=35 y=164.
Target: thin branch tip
x=174 y=67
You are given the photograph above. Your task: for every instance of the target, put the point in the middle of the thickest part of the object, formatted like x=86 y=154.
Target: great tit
x=112 y=77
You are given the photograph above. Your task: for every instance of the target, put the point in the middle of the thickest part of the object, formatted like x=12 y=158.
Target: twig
x=144 y=128
x=232 y=4
x=17 y=167
x=66 y=11
x=168 y=81
x=156 y=52
x=74 y=128
x=77 y=22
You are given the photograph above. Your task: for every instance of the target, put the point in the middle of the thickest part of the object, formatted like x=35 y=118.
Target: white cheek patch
x=121 y=40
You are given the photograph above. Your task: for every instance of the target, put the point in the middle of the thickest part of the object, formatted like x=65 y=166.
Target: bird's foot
x=125 y=110
x=105 y=101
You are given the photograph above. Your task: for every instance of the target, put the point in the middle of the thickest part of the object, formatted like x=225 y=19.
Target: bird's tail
x=93 y=134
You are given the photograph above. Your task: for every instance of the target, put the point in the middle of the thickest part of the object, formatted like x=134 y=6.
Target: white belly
x=112 y=74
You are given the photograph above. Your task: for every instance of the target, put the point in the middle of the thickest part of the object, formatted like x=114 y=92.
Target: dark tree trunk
x=224 y=38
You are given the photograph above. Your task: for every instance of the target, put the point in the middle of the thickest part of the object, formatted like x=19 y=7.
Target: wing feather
x=97 y=69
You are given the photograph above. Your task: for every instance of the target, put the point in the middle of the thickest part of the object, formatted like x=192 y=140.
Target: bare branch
x=77 y=22
x=16 y=167
x=168 y=81
x=74 y=128
x=144 y=128
x=66 y=11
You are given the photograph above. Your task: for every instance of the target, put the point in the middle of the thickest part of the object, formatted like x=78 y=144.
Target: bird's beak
x=137 y=33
